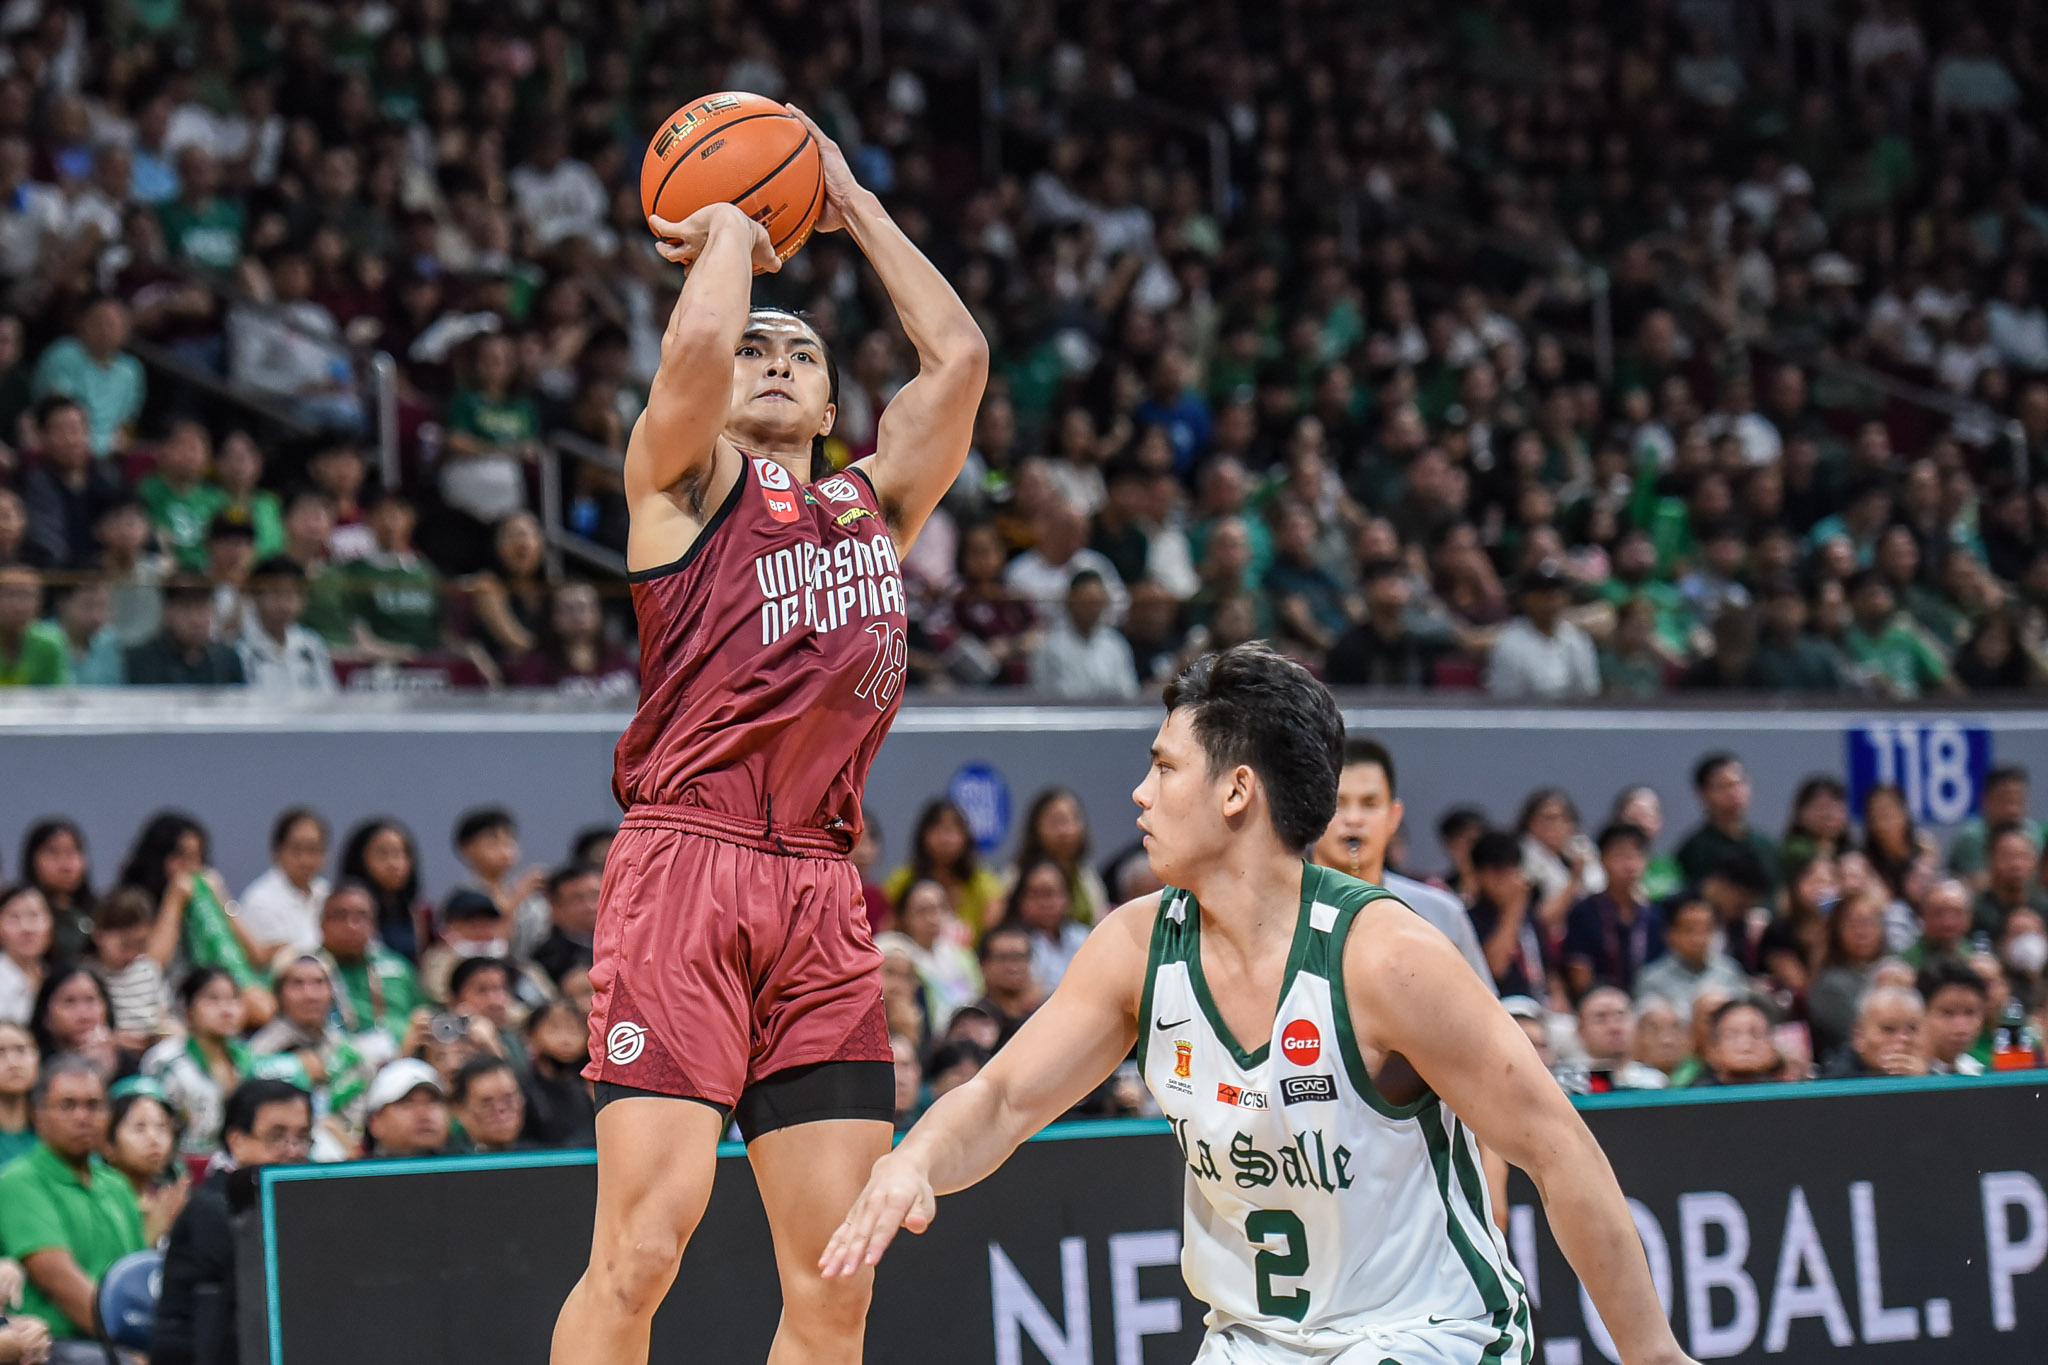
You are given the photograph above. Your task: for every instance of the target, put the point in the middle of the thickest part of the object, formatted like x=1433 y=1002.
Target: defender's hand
x=897 y=1196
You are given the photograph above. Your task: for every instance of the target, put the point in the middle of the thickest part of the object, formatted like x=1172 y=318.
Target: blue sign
x=1938 y=764
x=984 y=798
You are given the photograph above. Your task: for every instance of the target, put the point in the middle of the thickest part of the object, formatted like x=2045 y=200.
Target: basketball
x=741 y=149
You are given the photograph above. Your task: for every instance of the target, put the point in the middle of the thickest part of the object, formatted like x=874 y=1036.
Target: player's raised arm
x=1066 y=1049
x=1424 y=1002
x=676 y=434
x=925 y=431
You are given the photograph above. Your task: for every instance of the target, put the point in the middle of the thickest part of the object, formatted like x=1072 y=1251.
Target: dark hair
x=465 y=905
x=393 y=907
x=475 y=1069
x=821 y=463
x=1688 y=899
x=55 y=403
x=1496 y=849
x=1813 y=786
x=2002 y=773
x=1252 y=706
x=569 y=872
x=540 y=1013
x=40 y=833
x=154 y=846
x=1741 y=867
x=307 y=492
x=195 y=981
x=951 y=1053
x=14 y=891
x=1029 y=847
x=1025 y=869
x=65 y=1064
x=586 y=838
x=276 y=570
x=230 y=524
x=470 y=968
x=281 y=828
x=247 y=1100
x=1360 y=750
x=1943 y=971
x=56 y=980
x=1728 y=1007
x=1621 y=832
x=1704 y=770
x=1997 y=832
x=187 y=590
x=482 y=820
x=1002 y=929
x=934 y=811
x=1865 y=578
x=125 y=907
x=1455 y=821
x=1539 y=798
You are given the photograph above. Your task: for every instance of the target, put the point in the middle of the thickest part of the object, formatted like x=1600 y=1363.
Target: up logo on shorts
x=624 y=1044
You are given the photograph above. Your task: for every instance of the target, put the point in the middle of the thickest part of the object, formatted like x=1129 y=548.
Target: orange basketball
x=739 y=149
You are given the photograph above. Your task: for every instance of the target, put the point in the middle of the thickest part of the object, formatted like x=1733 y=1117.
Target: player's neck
x=792 y=454
x=1251 y=896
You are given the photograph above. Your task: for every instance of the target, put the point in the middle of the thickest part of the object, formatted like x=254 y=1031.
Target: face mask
x=2027 y=953
x=496 y=947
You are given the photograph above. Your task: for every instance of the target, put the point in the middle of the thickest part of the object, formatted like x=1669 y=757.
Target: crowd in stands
x=1556 y=350
x=158 y=1029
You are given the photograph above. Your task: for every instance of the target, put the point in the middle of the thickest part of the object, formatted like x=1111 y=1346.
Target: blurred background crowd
x=154 y=1010
x=1557 y=350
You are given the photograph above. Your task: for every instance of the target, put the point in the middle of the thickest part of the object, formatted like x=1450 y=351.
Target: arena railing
x=561 y=538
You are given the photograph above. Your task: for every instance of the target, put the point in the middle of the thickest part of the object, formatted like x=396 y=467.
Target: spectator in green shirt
x=1866 y=510
x=238 y=469
x=1895 y=656
x=32 y=652
x=1788 y=657
x=394 y=595
x=1724 y=792
x=17 y=1078
x=2011 y=857
x=64 y=1213
x=84 y=612
x=2004 y=802
x=493 y=434
x=91 y=368
x=200 y=227
x=308 y=522
x=181 y=503
x=1629 y=665
x=377 y=988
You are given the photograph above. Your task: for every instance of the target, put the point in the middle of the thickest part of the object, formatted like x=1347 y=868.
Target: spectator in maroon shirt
x=574 y=654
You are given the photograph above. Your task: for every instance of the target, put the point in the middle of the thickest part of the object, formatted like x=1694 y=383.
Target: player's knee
x=825 y=1310
x=634 y=1268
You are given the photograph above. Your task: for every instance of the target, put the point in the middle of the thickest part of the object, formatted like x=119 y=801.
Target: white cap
x=1521 y=1006
x=399 y=1079
x=1795 y=180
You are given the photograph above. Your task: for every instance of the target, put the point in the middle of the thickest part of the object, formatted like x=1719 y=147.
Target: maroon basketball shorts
x=727 y=955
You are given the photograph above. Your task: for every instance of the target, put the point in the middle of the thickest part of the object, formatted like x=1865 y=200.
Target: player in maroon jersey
x=735 y=977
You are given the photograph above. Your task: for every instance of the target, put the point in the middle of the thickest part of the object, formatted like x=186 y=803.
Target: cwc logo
x=624 y=1044
x=1301 y=1044
x=1183 y=1059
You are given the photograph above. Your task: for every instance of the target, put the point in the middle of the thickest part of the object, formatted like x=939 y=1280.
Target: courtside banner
x=1853 y=1222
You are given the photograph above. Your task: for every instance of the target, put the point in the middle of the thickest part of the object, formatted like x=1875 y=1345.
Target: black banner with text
x=1857 y=1224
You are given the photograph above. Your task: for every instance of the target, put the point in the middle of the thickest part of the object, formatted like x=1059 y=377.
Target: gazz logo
x=1301 y=1043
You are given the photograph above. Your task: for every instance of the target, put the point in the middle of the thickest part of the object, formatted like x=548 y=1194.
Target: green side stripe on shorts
x=1492 y=1292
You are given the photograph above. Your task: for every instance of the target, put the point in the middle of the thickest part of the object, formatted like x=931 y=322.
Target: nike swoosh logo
x=1163 y=1024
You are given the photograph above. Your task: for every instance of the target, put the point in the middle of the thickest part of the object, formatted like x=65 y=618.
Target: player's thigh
x=809 y=1175
x=655 y=1161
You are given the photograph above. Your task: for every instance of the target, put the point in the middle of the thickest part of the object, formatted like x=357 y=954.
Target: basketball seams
x=810 y=213
x=684 y=155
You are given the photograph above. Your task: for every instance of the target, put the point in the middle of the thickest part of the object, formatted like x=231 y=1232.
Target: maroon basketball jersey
x=771 y=656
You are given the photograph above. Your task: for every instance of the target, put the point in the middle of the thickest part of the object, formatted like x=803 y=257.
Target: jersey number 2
x=1263 y=1226
x=885 y=670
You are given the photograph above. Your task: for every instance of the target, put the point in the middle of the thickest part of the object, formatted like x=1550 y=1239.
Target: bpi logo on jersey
x=839 y=488
x=777 y=489
x=1301 y=1043
x=1242 y=1098
x=624 y=1044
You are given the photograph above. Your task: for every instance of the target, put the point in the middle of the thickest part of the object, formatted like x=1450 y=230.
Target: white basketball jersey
x=1317 y=1212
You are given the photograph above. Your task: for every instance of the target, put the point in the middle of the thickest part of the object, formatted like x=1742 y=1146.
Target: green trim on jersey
x=1296 y=952
x=1155 y=953
x=1347 y=1038
x=1492 y=1290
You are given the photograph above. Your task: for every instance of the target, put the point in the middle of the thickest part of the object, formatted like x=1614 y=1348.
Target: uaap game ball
x=741 y=149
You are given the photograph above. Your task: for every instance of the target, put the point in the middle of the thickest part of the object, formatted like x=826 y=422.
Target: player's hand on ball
x=897 y=1196
x=684 y=242
x=840 y=186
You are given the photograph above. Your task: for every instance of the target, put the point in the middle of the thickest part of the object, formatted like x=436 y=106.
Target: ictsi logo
x=1301 y=1044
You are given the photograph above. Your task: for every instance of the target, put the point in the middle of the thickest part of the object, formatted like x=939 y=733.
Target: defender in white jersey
x=1335 y=1208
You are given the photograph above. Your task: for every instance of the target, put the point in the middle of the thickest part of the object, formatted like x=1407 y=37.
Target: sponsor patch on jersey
x=778 y=490
x=1183 y=1059
x=772 y=475
x=624 y=1044
x=1242 y=1098
x=1307 y=1089
x=851 y=515
x=839 y=488
x=1301 y=1043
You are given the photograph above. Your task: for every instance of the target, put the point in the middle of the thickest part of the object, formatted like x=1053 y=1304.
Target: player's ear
x=1397 y=810
x=1237 y=796
x=831 y=416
